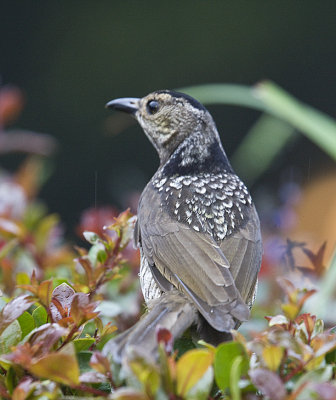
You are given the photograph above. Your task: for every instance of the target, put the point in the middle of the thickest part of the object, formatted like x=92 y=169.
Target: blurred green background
x=71 y=57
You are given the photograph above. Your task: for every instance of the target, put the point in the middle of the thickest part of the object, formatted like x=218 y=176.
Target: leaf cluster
x=293 y=358
x=50 y=340
x=59 y=307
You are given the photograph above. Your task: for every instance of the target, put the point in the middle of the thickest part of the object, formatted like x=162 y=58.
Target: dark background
x=71 y=57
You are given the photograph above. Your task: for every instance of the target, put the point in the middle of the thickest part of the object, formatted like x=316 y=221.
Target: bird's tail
x=171 y=311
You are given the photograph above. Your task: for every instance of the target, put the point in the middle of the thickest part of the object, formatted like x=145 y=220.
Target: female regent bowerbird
x=197 y=228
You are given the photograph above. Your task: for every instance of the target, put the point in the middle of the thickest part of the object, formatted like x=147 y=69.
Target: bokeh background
x=69 y=58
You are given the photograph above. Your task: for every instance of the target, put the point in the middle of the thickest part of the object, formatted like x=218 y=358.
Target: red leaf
x=22 y=355
x=39 y=345
x=163 y=335
x=100 y=363
x=317 y=259
x=86 y=264
x=305 y=297
x=44 y=292
x=325 y=391
x=14 y=309
x=61 y=301
x=11 y=104
x=46 y=336
x=127 y=393
x=309 y=321
x=92 y=377
x=286 y=285
x=59 y=366
x=94 y=219
x=30 y=288
x=3 y=392
x=23 y=389
x=81 y=309
x=10 y=228
x=268 y=383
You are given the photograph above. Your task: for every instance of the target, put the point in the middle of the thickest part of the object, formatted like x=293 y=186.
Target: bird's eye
x=152 y=106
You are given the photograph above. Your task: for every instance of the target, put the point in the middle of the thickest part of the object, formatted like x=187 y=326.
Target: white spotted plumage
x=207 y=202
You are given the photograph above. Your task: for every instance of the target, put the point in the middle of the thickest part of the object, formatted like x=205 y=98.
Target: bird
x=197 y=229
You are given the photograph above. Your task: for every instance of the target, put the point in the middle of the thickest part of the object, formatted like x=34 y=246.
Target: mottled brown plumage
x=197 y=228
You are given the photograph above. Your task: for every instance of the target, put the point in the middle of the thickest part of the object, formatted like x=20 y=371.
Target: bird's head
x=168 y=118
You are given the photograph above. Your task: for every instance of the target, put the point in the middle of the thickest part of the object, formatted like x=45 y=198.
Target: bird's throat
x=193 y=157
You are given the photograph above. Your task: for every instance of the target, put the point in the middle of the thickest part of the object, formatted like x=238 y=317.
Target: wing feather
x=195 y=264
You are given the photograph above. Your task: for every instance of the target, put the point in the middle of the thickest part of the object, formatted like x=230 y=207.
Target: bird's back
x=204 y=235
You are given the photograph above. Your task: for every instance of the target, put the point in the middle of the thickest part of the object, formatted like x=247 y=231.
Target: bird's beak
x=126 y=104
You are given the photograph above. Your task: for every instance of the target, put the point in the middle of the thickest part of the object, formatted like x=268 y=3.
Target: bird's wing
x=243 y=250
x=195 y=264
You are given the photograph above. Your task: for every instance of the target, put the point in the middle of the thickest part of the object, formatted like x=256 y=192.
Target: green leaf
x=40 y=316
x=270 y=98
x=27 y=323
x=272 y=355
x=102 y=256
x=91 y=237
x=268 y=133
x=223 y=93
x=317 y=126
x=147 y=374
x=290 y=310
x=201 y=390
x=166 y=370
x=82 y=344
x=22 y=278
x=225 y=356
x=97 y=253
x=235 y=375
x=331 y=357
x=11 y=379
x=43 y=230
x=35 y=211
x=8 y=247
x=182 y=345
x=103 y=340
x=10 y=337
x=190 y=369
x=58 y=281
x=84 y=358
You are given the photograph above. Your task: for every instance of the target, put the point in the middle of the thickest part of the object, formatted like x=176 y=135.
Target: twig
x=68 y=338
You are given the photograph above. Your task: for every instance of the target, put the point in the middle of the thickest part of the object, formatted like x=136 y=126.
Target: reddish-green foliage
x=45 y=347
x=59 y=306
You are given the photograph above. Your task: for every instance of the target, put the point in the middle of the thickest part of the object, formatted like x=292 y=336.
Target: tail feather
x=172 y=311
